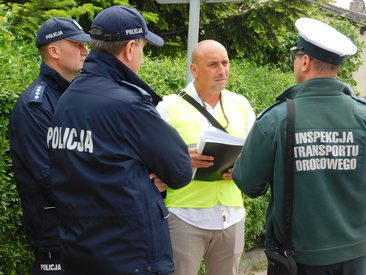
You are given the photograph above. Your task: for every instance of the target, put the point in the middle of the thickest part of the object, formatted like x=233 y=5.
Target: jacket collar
x=108 y=66
x=53 y=78
x=316 y=86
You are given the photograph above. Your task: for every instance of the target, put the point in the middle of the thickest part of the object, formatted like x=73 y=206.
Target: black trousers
x=352 y=267
x=47 y=263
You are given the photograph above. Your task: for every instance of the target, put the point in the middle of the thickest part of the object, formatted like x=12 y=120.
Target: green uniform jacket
x=329 y=208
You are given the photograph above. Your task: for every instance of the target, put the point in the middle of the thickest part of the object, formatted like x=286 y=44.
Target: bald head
x=210 y=67
x=206 y=47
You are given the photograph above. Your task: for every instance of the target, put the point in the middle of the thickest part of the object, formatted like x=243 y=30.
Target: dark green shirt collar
x=316 y=86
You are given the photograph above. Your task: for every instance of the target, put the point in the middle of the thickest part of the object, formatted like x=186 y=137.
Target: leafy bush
x=19 y=63
x=164 y=75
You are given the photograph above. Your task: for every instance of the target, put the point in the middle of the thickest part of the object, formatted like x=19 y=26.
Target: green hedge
x=19 y=64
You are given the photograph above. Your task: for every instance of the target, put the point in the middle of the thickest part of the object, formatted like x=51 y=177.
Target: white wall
x=360 y=75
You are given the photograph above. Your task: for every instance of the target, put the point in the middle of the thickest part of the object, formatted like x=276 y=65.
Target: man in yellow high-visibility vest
x=207 y=218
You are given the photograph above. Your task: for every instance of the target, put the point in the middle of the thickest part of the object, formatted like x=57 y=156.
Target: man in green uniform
x=329 y=205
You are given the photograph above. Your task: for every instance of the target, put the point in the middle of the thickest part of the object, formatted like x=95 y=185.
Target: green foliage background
x=257 y=38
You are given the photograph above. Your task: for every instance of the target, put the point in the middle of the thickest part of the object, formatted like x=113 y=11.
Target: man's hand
x=228 y=175
x=200 y=161
x=158 y=182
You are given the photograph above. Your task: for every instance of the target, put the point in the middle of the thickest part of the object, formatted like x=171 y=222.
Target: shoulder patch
x=37 y=93
x=135 y=88
x=349 y=91
x=359 y=99
x=269 y=108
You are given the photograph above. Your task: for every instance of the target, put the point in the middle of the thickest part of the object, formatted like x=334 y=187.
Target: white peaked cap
x=323 y=41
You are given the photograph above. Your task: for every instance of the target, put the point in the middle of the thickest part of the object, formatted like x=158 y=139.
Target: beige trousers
x=221 y=249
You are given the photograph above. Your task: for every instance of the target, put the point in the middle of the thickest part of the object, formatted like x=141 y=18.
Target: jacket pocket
x=163 y=210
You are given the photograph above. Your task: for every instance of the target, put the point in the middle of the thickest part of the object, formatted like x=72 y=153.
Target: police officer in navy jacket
x=106 y=140
x=61 y=45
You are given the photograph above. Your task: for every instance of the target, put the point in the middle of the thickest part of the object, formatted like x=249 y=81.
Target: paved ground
x=254 y=263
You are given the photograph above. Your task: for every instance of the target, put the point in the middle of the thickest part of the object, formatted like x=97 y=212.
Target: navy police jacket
x=29 y=122
x=105 y=139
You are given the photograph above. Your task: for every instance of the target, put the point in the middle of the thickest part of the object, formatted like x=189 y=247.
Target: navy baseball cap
x=119 y=23
x=58 y=28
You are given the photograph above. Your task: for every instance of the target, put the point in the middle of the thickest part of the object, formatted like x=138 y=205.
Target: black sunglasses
x=293 y=56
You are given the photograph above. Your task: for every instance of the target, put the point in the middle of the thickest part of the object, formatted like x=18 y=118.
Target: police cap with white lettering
x=322 y=41
x=58 y=28
x=120 y=23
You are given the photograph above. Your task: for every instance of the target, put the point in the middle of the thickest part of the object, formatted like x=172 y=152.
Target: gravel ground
x=254 y=263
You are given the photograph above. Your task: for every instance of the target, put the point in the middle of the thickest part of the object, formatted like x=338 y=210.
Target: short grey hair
x=111 y=47
x=325 y=66
x=43 y=50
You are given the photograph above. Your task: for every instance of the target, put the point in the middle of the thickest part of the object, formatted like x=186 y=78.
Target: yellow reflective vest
x=187 y=120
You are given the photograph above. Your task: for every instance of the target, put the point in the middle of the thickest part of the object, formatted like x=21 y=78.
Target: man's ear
x=193 y=68
x=53 y=52
x=128 y=50
x=306 y=63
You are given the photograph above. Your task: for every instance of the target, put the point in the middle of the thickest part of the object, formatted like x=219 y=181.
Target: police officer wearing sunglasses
x=328 y=221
